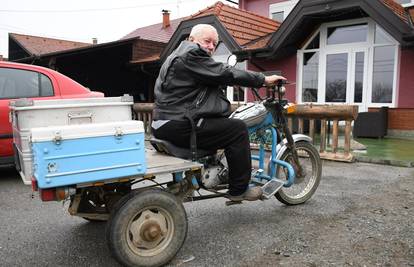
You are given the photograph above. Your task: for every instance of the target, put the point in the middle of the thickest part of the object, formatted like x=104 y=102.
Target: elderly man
x=185 y=73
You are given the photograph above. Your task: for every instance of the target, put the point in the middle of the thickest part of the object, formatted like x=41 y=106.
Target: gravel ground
x=361 y=215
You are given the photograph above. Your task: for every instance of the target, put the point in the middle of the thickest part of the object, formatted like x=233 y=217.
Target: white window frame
x=286 y=7
x=408 y=4
x=351 y=49
x=229 y=89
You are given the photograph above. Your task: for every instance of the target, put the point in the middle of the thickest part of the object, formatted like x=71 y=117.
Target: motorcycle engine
x=215 y=171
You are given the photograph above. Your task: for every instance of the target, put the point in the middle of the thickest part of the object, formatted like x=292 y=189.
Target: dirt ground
x=376 y=228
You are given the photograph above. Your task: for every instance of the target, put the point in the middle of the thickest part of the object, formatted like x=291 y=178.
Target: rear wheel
x=305 y=186
x=148 y=229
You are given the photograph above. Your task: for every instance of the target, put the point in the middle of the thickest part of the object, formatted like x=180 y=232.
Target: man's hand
x=272 y=79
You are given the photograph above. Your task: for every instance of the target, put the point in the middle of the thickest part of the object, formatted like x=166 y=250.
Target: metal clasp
x=58 y=138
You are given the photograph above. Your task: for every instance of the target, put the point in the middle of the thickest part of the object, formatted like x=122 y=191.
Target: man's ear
x=191 y=38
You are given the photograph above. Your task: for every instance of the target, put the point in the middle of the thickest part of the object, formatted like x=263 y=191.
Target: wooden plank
x=342 y=112
x=158 y=163
x=335 y=136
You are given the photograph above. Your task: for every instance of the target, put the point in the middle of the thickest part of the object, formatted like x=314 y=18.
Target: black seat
x=164 y=146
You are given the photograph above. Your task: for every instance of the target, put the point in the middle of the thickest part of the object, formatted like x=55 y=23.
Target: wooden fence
x=327 y=115
x=310 y=113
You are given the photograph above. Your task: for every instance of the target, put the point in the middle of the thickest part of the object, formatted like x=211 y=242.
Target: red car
x=34 y=82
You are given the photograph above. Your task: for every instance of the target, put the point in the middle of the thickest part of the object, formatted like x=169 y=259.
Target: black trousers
x=216 y=133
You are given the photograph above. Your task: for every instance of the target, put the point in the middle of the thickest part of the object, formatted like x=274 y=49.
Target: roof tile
x=243 y=25
x=397 y=9
x=37 y=45
x=155 y=32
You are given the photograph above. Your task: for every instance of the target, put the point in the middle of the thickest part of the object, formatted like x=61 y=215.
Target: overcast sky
x=82 y=20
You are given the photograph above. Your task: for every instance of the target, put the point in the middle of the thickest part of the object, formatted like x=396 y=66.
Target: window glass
x=221 y=49
x=403 y=1
x=279 y=16
x=15 y=83
x=381 y=37
x=314 y=44
x=359 y=76
x=238 y=94
x=347 y=34
x=336 y=76
x=383 y=74
x=310 y=77
x=46 y=88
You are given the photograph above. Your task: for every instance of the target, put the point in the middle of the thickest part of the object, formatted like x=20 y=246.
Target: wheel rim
x=150 y=231
x=303 y=185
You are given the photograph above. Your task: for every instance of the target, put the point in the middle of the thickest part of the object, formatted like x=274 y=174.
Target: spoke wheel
x=306 y=184
x=148 y=229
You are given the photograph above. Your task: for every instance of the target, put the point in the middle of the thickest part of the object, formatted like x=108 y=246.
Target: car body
x=33 y=82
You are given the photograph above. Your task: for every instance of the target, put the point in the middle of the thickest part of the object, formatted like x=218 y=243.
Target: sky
x=82 y=20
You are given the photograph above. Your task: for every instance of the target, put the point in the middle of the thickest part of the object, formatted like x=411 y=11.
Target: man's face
x=208 y=40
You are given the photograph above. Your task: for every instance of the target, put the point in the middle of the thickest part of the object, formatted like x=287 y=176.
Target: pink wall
x=288 y=68
x=260 y=7
x=406 y=79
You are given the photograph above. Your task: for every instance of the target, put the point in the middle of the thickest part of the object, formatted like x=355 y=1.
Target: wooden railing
x=143 y=112
x=324 y=113
x=327 y=114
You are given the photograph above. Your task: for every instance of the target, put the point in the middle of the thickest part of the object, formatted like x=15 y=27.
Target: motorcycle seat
x=166 y=147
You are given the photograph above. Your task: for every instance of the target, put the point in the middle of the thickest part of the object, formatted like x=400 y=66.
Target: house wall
x=399 y=118
x=260 y=7
x=406 y=79
x=287 y=68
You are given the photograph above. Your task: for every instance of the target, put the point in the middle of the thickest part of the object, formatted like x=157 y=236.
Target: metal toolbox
x=26 y=114
x=76 y=154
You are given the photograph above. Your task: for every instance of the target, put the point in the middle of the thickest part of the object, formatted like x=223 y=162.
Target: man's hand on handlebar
x=272 y=79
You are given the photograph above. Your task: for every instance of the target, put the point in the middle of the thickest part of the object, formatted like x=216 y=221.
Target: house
x=357 y=52
x=108 y=67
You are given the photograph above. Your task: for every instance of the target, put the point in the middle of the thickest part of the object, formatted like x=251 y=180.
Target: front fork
x=291 y=146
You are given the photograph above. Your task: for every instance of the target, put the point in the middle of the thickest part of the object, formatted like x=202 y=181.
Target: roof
x=155 y=32
x=308 y=15
x=397 y=9
x=242 y=25
x=36 y=45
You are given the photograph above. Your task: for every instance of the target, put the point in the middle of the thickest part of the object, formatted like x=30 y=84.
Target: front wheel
x=148 y=229
x=305 y=186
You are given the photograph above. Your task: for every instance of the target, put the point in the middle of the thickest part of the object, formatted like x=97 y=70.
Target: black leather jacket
x=187 y=71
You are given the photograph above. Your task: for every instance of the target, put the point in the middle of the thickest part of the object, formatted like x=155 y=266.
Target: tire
x=304 y=187
x=148 y=229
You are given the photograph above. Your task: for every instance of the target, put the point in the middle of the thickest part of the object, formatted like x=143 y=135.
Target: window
x=310 y=77
x=405 y=3
x=234 y=94
x=279 y=16
x=16 y=83
x=347 y=34
x=280 y=11
x=351 y=62
x=383 y=74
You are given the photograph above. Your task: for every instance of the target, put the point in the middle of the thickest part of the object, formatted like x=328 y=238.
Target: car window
x=15 y=83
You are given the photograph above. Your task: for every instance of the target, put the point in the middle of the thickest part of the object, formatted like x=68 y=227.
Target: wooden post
x=300 y=125
x=290 y=124
x=323 y=136
x=335 y=136
x=312 y=130
x=347 y=144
